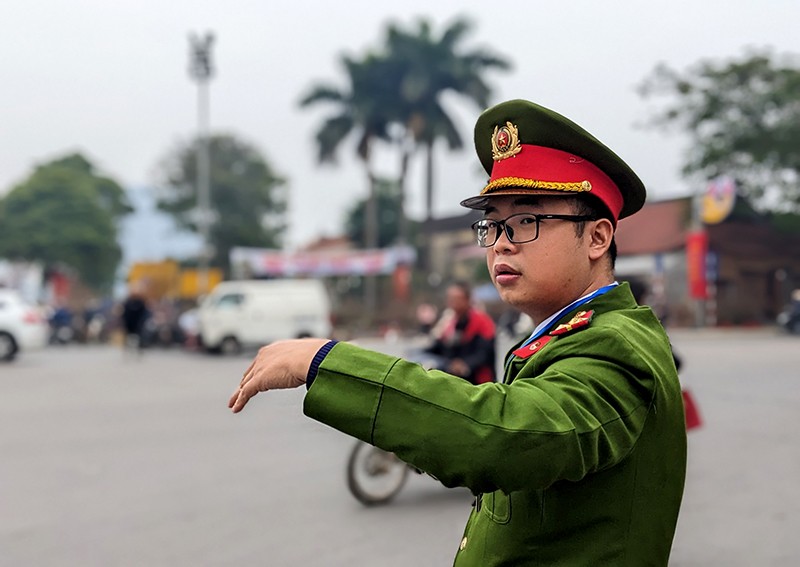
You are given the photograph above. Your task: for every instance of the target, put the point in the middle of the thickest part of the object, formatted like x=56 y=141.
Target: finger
x=232 y=399
x=237 y=404
x=248 y=375
x=246 y=372
x=238 y=390
x=245 y=379
x=244 y=396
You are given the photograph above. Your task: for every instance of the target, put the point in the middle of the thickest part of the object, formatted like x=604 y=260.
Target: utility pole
x=201 y=70
x=371 y=244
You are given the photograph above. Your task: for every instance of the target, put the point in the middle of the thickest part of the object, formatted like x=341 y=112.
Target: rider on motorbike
x=789 y=318
x=464 y=338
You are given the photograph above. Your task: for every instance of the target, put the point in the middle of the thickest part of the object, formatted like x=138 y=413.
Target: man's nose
x=503 y=242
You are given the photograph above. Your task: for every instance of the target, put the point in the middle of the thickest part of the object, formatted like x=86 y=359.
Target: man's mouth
x=505 y=274
x=505 y=270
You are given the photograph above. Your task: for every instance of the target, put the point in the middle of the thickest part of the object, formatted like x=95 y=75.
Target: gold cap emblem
x=505 y=142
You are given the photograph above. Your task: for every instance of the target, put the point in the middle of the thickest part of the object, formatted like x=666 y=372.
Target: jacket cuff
x=317 y=360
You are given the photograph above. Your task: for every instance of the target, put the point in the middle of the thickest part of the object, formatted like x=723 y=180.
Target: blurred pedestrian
x=134 y=317
x=579 y=456
x=189 y=322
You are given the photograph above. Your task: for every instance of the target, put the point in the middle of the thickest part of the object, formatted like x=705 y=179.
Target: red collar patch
x=580 y=320
x=527 y=350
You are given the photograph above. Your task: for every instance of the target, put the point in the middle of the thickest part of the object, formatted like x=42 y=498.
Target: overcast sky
x=110 y=79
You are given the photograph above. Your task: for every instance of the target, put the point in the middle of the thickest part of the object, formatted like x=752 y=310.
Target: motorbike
x=375 y=476
x=62 y=327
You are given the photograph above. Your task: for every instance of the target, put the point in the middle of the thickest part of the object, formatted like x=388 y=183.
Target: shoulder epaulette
x=579 y=321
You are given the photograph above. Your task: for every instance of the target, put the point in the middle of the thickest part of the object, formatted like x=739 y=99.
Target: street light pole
x=201 y=70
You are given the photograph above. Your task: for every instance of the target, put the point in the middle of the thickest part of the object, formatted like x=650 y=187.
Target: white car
x=22 y=326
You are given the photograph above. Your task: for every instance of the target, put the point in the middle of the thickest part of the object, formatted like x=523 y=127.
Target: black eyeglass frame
x=502 y=225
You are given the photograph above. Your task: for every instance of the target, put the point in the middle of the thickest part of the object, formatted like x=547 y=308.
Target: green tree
x=64 y=214
x=110 y=194
x=431 y=66
x=248 y=199
x=743 y=119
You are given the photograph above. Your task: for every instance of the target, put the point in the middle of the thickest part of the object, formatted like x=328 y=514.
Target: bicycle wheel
x=374 y=476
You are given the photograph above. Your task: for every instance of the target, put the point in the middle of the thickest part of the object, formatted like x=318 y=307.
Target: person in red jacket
x=465 y=339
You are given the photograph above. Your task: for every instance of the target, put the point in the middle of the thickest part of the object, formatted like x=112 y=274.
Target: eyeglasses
x=519 y=228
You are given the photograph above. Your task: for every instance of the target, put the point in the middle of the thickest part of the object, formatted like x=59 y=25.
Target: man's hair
x=465 y=288
x=590 y=205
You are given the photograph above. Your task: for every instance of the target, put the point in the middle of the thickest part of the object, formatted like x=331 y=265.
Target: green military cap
x=529 y=149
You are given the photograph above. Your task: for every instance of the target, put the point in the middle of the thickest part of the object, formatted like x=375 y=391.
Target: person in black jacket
x=134 y=316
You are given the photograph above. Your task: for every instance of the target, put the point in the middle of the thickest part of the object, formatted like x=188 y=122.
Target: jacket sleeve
x=583 y=412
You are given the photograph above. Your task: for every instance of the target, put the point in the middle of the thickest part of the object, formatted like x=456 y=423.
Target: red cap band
x=543 y=170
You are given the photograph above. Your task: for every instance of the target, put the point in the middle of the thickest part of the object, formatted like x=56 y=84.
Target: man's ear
x=601 y=233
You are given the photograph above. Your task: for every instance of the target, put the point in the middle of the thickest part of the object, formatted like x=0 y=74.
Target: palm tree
x=361 y=109
x=428 y=67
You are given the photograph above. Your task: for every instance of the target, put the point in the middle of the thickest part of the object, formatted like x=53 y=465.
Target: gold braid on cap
x=576 y=187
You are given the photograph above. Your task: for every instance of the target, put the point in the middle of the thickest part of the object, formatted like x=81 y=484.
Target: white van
x=247 y=313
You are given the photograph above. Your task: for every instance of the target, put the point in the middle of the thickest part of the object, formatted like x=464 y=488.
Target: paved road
x=742 y=499
x=108 y=461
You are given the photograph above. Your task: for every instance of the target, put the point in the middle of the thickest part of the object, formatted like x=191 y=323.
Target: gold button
x=463 y=544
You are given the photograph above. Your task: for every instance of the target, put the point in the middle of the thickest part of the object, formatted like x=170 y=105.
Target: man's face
x=457 y=300
x=542 y=276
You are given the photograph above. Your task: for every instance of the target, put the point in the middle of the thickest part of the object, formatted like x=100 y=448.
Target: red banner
x=696 y=250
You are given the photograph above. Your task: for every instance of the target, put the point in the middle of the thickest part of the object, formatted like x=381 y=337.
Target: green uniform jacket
x=579 y=458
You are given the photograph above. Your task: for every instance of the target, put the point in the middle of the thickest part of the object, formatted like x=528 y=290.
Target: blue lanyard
x=577 y=303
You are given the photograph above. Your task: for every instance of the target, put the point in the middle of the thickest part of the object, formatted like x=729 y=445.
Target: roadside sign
x=718 y=200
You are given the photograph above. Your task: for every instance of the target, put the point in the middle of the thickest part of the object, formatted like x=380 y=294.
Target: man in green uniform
x=579 y=456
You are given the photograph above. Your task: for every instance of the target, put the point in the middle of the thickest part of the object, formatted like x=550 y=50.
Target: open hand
x=277 y=366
